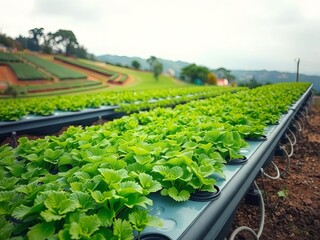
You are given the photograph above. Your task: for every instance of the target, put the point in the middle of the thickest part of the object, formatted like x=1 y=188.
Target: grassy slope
x=141 y=80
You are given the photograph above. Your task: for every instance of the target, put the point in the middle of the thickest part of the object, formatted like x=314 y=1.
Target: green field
x=53 y=68
x=142 y=80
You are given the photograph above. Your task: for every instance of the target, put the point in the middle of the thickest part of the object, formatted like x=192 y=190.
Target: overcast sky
x=235 y=34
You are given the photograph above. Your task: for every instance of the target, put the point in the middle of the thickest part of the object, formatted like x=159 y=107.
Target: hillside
x=262 y=76
x=176 y=66
x=69 y=75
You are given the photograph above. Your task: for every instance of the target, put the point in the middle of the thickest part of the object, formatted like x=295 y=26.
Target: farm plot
x=22 y=70
x=113 y=76
x=55 y=69
x=25 y=71
x=97 y=182
x=8 y=57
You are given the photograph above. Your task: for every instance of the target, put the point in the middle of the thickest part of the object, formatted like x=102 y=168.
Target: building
x=222 y=82
x=3 y=48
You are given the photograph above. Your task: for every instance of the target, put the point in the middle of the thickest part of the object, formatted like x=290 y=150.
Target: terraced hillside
x=52 y=75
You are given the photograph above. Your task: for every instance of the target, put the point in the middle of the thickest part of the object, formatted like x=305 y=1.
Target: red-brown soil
x=7 y=75
x=297 y=215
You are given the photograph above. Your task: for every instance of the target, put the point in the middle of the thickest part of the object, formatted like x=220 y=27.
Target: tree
x=155 y=66
x=79 y=52
x=195 y=74
x=157 y=69
x=135 y=64
x=212 y=79
x=25 y=43
x=14 y=90
x=252 y=83
x=225 y=73
x=151 y=61
x=36 y=34
x=48 y=43
x=6 y=41
x=67 y=39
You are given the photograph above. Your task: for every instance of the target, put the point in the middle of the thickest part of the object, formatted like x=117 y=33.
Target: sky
x=235 y=34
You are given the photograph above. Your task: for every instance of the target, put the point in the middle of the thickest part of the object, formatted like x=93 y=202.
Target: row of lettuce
x=129 y=101
x=95 y=182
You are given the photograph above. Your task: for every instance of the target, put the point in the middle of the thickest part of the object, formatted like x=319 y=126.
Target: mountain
x=261 y=76
x=176 y=66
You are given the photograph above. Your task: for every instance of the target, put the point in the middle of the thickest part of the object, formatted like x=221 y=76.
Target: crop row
x=24 y=71
x=8 y=57
x=87 y=66
x=95 y=183
x=55 y=69
x=61 y=85
x=14 y=109
x=117 y=79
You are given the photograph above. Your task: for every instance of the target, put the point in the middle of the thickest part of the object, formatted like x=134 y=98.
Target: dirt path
x=297 y=214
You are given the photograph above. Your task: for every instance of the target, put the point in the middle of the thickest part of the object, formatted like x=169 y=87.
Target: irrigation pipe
x=286 y=170
x=297 y=127
x=301 y=121
x=305 y=114
x=262 y=220
x=294 y=137
x=309 y=102
x=291 y=145
x=271 y=177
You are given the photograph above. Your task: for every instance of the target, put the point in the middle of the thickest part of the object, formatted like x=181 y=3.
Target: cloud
x=245 y=34
x=76 y=10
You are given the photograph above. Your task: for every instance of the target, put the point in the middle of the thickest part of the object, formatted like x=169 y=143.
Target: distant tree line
x=201 y=75
x=252 y=83
x=61 y=41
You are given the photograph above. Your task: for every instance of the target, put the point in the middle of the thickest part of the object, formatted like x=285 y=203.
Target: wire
x=262 y=220
x=271 y=177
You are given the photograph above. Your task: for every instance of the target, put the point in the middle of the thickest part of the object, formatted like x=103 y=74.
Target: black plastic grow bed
x=44 y=125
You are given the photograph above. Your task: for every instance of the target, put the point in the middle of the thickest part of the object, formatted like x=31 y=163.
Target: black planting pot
x=204 y=196
x=237 y=161
x=152 y=236
x=262 y=138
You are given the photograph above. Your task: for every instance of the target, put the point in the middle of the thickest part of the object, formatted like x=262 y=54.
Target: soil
x=7 y=75
x=292 y=202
